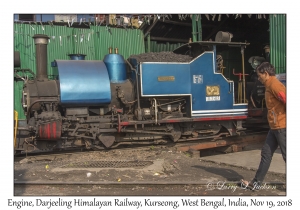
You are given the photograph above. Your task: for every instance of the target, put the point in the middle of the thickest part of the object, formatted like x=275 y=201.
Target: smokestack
x=41 y=41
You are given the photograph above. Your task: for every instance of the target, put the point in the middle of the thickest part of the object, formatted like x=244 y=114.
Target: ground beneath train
x=136 y=171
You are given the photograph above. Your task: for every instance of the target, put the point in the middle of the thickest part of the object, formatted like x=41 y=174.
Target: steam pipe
x=137 y=83
x=38 y=101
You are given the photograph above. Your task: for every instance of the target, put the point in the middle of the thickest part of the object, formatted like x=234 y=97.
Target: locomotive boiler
x=109 y=102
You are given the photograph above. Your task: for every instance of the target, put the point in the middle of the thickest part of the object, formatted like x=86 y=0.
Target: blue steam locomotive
x=105 y=103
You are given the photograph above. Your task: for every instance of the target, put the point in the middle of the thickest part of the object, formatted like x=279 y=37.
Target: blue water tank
x=116 y=68
x=83 y=83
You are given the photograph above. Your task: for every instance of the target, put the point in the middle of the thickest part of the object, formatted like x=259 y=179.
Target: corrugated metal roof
x=278 y=42
x=18 y=87
x=83 y=43
x=128 y=42
x=59 y=46
x=159 y=47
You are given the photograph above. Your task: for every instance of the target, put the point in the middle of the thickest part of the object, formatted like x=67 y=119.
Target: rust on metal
x=50 y=130
x=259 y=112
x=236 y=142
x=109 y=164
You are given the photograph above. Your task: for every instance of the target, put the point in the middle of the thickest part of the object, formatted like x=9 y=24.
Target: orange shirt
x=275 y=96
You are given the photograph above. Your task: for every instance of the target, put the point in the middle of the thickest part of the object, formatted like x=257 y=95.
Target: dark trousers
x=274 y=138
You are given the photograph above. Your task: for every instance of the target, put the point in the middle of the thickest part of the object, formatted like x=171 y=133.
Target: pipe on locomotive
x=41 y=42
x=137 y=83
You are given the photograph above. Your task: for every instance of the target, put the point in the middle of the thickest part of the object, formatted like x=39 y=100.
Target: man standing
x=275 y=96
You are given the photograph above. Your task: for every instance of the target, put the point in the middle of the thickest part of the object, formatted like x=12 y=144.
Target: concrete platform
x=249 y=159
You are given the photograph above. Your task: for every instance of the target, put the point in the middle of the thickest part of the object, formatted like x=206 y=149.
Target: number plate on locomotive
x=166 y=78
x=213 y=98
x=213 y=90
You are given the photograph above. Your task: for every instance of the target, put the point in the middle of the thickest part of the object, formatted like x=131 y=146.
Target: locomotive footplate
x=178 y=120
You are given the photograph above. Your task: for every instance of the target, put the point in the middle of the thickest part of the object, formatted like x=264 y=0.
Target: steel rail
x=127 y=183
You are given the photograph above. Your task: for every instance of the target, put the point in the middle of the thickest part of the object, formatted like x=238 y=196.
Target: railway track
x=141 y=188
x=137 y=183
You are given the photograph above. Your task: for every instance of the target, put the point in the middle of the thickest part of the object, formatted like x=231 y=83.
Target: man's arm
x=279 y=92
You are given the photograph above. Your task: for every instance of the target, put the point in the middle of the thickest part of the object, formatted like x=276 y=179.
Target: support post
x=243 y=66
x=149 y=43
x=194 y=32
